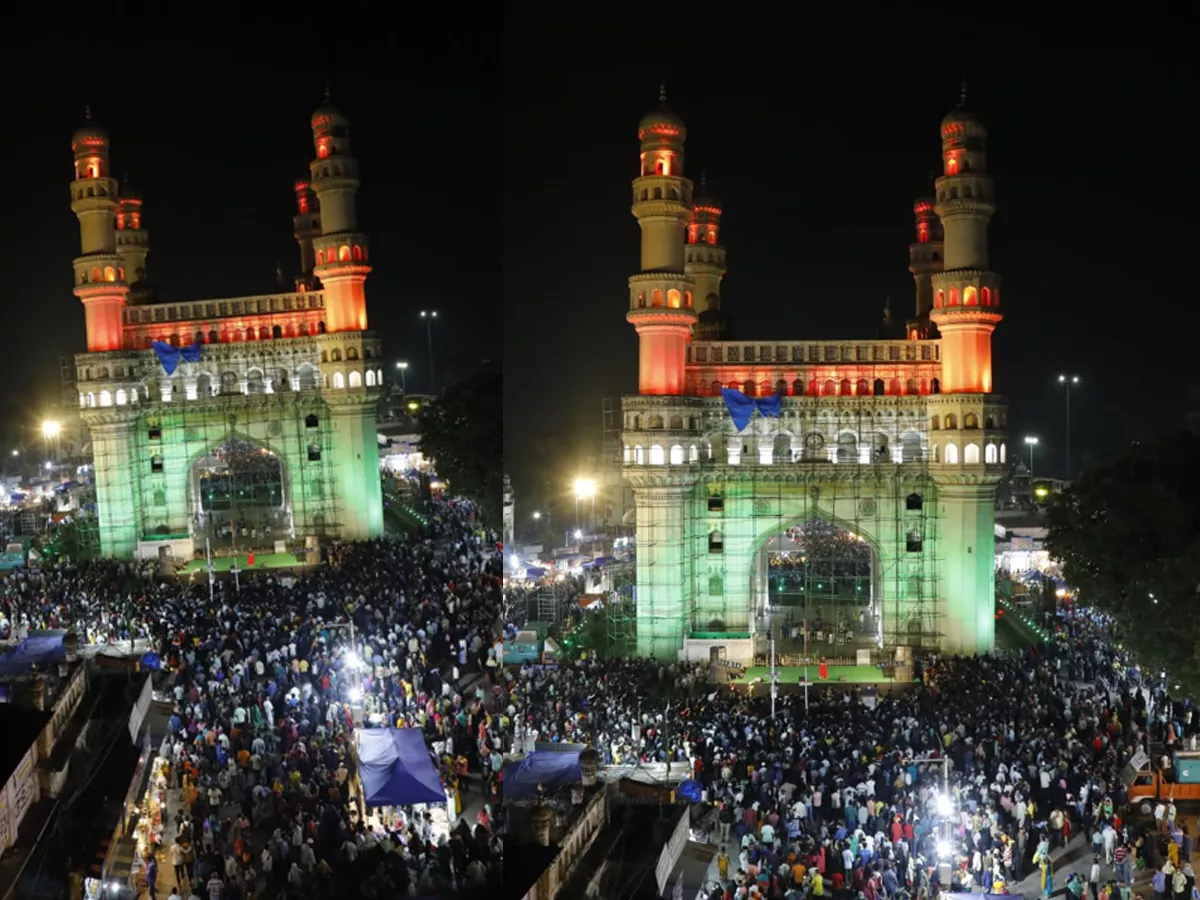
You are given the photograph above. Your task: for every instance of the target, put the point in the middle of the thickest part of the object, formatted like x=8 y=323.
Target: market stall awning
x=396 y=768
x=547 y=769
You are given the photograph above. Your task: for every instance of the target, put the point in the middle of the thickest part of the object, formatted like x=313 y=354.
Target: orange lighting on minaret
x=341 y=249
x=661 y=307
x=966 y=293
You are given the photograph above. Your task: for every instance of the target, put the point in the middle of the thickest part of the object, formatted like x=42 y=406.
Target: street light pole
x=403 y=367
x=429 y=316
x=1068 y=381
x=1030 y=442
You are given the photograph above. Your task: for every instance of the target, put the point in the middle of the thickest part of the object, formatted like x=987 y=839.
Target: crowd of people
x=853 y=800
x=269 y=678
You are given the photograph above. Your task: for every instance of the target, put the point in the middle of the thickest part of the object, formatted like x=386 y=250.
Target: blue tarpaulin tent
x=691 y=790
x=549 y=768
x=40 y=651
x=396 y=768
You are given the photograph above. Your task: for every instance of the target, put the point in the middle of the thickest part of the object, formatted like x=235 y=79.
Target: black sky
x=213 y=132
x=817 y=148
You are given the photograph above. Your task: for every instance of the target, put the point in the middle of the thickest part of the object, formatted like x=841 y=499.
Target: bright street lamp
x=1030 y=442
x=403 y=367
x=1068 y=382
x=51 y=429
x=536 y=515
x=429 y=315
x=585 y=489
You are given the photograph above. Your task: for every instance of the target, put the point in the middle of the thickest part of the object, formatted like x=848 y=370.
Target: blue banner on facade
x=741 y=408
x=170 y=356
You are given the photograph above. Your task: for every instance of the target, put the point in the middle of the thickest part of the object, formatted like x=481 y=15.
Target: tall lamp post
x=1068 y=382
x=1030 y=442
x=585 y=489
x=429 y=315
x=403 y=367
x=50 y=432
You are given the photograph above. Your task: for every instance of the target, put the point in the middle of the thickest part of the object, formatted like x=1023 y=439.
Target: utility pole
x=211 y=577
x=774 y=678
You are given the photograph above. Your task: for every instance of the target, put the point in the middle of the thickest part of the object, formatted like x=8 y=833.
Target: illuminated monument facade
x=248 y=420
x=898 y=442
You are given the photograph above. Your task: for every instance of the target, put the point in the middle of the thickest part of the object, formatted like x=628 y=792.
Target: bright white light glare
x=945 y=805
x=351 y=661
x=585 y=488
x=944 y=849
x=355 y=694
x=578 y=533
x=114 y=887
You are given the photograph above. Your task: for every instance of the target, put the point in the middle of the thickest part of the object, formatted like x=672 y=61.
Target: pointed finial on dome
x=87 y=112
x=962 y=97
x=329 y=91
x=662 y=93
x=704 y=179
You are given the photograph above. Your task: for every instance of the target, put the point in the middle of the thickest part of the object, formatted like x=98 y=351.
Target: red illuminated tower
x=705 y=263
x=133 y=245
x=966 y=296
x=306 y=228
x=924 y=261
x=660 y=295
x=341 y=250
x=99 y=272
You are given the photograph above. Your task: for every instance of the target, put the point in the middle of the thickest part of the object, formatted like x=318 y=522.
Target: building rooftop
x=21 y=728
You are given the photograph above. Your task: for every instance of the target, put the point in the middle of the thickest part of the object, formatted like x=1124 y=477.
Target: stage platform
x=837 y=675
x=261 y=561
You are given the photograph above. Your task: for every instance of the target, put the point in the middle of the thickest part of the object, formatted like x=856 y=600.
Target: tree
x=1128 y=538
x=461 y=434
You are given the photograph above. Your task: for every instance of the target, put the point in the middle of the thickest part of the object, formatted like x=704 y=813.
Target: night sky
x=213 y=135
x=817 y=159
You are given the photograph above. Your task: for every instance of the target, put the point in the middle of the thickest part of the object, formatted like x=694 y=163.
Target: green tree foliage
x=1128 y=537
x=461 y=433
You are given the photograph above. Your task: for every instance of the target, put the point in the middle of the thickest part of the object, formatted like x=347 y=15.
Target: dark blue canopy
x=549 y=768
x=396 y=768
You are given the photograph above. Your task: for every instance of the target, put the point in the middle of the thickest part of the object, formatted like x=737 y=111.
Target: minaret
x=705 y=262
x=924 y=261
x=133 y=242
x=99 y=272
x=341 y=261
x=306 y=228
x=660 y=295
x=966 y=295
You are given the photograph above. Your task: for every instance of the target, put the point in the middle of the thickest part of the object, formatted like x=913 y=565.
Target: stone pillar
x=663 y=618
x=355 y=467
x=71 y=646
x=589 y=765
x=541 y=824
x=36 y=692
x=116 y=472
x=966 y=558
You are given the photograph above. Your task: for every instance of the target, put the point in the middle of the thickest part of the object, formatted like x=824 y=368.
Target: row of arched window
x=256 y=382
x=950 y=422
x=98 y=275
x=239 y=335
x=675 y=299
x=831 y=388
x=971 y=296
x=344 y=253
x=847 y=450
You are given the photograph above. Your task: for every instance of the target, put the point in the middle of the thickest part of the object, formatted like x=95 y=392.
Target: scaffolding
x=239 y=448
x=841 y=474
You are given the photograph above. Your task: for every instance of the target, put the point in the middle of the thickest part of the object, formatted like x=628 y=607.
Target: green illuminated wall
x=145 y=456
x=940 y=591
